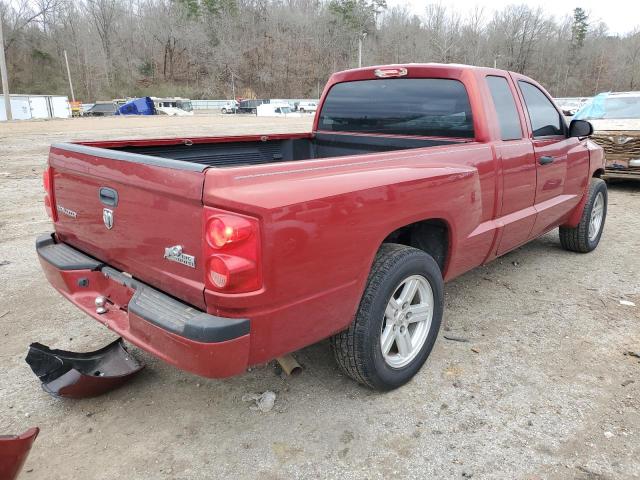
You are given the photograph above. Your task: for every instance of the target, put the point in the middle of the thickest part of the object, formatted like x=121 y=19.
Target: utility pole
x=360 y=39
x=233 y=86
x=496 y=56
x=66 y=60
x=3 y=74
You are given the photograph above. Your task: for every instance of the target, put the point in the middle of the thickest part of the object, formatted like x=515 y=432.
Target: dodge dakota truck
x=219 y=253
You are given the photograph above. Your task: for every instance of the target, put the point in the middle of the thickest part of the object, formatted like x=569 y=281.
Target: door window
x=508 y=117
x=545 y=119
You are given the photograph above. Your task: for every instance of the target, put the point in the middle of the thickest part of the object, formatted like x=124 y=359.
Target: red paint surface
x=14 y=450
x=212 y=360
x=321 y=221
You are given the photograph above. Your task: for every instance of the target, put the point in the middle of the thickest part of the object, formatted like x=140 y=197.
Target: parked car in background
x=310 y=107
x=85 y=107
x=615 y=117
x=173 y=106
x=102 y=109
x=276 y=110
x=570 y=105
x=229 y=107
x=250 y=106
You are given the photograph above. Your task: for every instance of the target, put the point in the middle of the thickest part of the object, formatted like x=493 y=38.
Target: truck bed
x=230 y=152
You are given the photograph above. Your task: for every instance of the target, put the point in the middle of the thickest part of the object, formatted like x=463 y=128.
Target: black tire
x=224 y=110
x=357 y=350
x=254 y=111
x=577 y=239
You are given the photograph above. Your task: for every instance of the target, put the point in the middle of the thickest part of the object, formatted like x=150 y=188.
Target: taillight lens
x=218 y=272
x=47 y=183
x=232 y=252
x=225 y=229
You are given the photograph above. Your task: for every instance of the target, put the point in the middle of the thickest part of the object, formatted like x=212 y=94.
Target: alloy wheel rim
x=597 y=214
x=407 y=321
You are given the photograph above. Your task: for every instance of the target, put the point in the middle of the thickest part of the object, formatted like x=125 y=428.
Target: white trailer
x=27 y=107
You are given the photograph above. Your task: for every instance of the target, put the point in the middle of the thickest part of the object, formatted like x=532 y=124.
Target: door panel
x=517 y=214
x=551 y=179
x=551 y=147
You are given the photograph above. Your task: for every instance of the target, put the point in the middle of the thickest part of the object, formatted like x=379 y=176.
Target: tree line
x=288 y=48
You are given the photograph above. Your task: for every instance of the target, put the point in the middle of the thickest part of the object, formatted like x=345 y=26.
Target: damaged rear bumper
x=173 y=331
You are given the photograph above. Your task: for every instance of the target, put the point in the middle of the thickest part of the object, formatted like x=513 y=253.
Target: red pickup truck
x=219 y=253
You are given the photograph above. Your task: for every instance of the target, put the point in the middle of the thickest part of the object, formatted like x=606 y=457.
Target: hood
x=628 y=124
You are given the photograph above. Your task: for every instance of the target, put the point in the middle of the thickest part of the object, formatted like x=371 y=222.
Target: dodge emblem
x=107 y=218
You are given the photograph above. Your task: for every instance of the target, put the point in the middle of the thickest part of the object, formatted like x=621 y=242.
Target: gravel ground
x=542 y=388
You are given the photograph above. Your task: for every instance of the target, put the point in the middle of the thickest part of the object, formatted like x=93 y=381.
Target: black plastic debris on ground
x=82 y=375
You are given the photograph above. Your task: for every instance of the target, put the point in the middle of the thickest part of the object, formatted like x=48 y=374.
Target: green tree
x=358 y=15
x=195 y=8
x=579 y=28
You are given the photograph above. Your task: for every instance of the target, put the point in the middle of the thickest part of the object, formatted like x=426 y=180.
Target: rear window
x=405 y=106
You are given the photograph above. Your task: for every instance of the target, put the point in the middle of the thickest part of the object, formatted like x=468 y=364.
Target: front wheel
x=397 y=322
x=224 y=110
x=586 y=235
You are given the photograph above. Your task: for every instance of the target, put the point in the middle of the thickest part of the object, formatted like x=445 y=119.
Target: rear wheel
x=397 y=321
x=224 y=110
x=586 y=235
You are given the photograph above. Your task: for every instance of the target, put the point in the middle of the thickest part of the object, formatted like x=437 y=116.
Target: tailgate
x=126 y=209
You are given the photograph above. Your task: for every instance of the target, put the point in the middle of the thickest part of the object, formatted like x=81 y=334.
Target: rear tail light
x=225 y=229
x=232 y=252
x=47 y=183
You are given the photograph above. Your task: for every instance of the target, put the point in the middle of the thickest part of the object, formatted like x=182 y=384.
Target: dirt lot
x=541 y=389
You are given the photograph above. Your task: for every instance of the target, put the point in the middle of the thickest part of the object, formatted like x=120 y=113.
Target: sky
x=620 y=16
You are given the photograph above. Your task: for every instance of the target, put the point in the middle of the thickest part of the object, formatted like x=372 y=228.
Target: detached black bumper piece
x=82 y=375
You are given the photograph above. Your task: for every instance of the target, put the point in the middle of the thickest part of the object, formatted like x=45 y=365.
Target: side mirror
x=580 y=128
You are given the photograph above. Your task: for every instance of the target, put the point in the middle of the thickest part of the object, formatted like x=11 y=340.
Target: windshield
x=404 y=106
x=606 y=106
x=285 y=109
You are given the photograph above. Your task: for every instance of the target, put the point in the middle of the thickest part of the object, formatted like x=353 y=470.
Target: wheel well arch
x=598 y=173
x=432 y=235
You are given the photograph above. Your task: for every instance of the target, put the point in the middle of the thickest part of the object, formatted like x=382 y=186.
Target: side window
x=545 y=119
x=508 y=118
